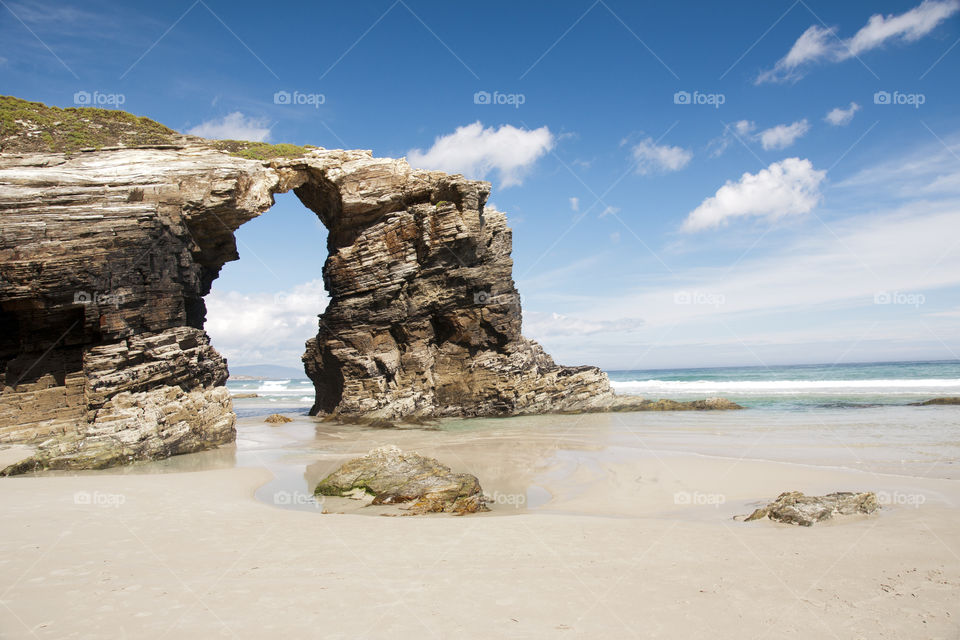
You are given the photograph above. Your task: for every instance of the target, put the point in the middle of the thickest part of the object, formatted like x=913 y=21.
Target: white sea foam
x=274 y=390
x=787 y=387
x=273 y=385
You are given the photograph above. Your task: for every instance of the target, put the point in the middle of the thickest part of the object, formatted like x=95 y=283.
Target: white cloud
x=819 y=44
x=778 y=137
x=740 y=129
x=541 y=324
x=813 y=43
x=783 y=135
x=788 y=187
x=849 y=262
x=932 y=168
x=575 y=204
x=840 y=117
x=652 y=158
x=475 y=151
x=264 y=327
x=744 y=127
x=233 y=126
x=909 y=26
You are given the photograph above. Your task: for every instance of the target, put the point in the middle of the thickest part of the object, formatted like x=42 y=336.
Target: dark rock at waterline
x=627 y=403
x=793 y=507
x=394 y=477
x=925 y=403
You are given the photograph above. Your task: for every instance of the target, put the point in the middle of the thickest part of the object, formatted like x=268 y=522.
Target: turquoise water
x=800 y=386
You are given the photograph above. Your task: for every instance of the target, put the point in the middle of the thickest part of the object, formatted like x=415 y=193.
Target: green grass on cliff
x=259 y=150
x=33 y=126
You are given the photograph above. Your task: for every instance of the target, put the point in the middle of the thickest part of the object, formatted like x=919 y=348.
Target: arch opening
x=263 y=307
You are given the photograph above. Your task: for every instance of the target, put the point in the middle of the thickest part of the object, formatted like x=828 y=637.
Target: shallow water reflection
x=545 y=463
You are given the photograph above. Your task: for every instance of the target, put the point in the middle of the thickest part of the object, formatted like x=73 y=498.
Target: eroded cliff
x=106 y=254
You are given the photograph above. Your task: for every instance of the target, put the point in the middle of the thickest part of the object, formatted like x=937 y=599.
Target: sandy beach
x=590 y=535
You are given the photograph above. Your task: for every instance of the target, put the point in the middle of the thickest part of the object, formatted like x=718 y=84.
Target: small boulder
x=394 y=477
x=276 y=418
x=793 y=507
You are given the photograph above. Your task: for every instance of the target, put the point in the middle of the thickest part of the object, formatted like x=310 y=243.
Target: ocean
x=283 y=395
x=800 y=387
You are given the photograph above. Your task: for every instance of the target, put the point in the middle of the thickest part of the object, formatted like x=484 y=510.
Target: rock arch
x=105 y=257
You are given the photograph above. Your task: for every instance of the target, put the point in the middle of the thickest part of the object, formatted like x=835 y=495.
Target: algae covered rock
x=793 y=507
x=276 y=418
x=394 y=477
x=637 y=403
x=714 y=404
x=936 y=401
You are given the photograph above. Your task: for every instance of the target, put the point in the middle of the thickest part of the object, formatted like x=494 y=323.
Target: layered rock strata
x=105 y=256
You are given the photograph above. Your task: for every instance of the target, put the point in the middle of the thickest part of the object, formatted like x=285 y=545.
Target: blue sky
x=689 y=183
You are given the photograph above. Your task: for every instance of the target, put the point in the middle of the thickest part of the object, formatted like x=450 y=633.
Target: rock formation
x=391 y=476
x=793 y=507
x=106 y=254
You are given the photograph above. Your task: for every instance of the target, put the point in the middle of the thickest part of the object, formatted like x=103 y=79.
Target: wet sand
x=598 y=528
